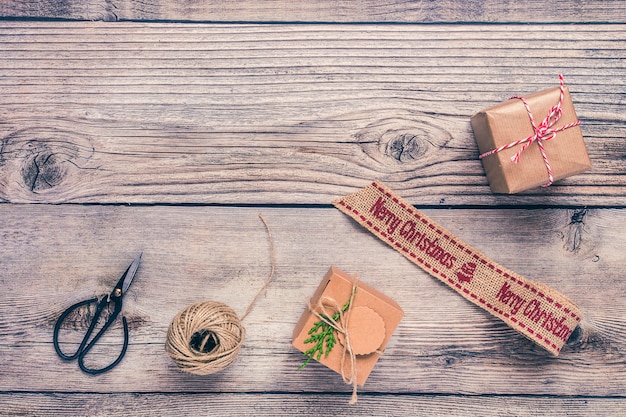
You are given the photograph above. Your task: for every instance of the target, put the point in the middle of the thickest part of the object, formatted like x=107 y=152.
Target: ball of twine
x=205 y=338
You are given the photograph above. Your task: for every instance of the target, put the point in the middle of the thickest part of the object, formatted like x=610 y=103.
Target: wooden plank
x=289 y=114
x=53 y=256
x=268 y=404
x=415 y=11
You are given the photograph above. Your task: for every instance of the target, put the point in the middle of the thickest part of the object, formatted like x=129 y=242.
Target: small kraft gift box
x=343 y=308
x=530 y=141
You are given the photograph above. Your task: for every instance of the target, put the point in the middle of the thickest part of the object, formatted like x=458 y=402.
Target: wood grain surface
x=444 y=344
x=165 y=128
x=167 y=113
x=345 y=11
x=269 y=404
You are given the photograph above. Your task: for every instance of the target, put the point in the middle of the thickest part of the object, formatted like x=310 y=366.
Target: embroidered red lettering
x=546 y=320
x=408 y=231
x=508 y=297
x=537 y=311
x=382 y=213
x=532 y=310
x=561 y=330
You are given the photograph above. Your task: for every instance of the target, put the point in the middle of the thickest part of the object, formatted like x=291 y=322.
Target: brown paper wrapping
x=338 y=286
x=509 y=121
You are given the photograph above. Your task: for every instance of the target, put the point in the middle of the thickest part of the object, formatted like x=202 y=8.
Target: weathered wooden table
x=167 y=127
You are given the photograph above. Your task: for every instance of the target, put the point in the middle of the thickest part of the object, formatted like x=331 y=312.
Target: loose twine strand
x=325 y=308
x=206 y=337
x=272 y=262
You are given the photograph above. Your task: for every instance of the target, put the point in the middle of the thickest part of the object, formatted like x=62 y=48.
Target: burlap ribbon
x=535 y=310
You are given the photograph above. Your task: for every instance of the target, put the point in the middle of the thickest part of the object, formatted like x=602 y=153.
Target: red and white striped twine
x=543 y=132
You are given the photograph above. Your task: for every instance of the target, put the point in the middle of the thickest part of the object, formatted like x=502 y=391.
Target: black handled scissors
x=115 y=298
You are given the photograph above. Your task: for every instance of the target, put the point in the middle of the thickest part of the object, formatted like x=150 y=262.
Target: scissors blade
x=129 y=275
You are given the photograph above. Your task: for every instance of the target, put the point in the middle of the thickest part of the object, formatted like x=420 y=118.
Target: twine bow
x=544 y=131
x=325 y=309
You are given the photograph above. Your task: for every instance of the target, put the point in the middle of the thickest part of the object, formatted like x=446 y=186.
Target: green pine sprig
x=322 y=334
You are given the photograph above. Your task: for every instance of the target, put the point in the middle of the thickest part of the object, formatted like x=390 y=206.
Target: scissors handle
x=59 y=323
x=81 y=356
x=86 y=345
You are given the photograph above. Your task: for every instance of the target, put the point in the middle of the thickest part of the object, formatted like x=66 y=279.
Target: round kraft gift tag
x=366 y=329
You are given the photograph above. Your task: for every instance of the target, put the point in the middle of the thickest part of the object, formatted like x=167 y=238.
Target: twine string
x=325 y=308
x=209 y=319
x=273 y=267
x=206 y=337
x=543 y=131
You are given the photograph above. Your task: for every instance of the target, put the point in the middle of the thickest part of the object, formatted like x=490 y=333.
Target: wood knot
x=598 y=334
x=42 y=171
x=575 y=230
x=404 y=139
x=576 y=336
x=405 y=147
x=80 y=319
x=37 y=160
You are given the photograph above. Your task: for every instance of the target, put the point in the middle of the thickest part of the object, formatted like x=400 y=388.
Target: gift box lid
x=373 y=320
x=508 y=122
